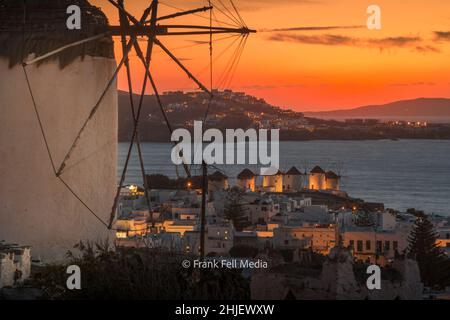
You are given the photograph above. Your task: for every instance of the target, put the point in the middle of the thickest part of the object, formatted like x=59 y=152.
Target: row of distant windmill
x=290 y=181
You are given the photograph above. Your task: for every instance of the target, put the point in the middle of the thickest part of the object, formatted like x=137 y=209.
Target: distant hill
x=429 y=109
x=237 y=110
x=228 y=110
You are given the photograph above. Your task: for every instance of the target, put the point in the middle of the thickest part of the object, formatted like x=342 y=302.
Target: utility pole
x=203 y=217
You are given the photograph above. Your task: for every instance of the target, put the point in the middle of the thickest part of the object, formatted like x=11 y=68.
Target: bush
x=138 y=274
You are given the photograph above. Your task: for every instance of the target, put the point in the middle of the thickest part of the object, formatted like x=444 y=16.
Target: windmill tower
x=293 y=180
x=58 y=130
x=317 y=179
x=36 y=209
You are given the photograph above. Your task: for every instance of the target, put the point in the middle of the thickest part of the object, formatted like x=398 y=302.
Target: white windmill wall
x=275 y=182
x=35 y=207
x=332 y=183
x=216 y=185
x=293 y=182
x=246 y=183
x=317 y=181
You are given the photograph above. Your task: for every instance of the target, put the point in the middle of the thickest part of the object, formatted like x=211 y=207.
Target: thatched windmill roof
x=246 y=174
x=38 y=27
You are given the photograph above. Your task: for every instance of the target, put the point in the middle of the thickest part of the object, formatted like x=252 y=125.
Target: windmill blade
x=141 y=27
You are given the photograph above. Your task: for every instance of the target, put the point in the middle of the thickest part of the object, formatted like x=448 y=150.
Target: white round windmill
x=58 y=100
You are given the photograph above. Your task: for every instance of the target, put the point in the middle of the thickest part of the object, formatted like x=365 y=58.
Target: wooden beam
x=164 y=30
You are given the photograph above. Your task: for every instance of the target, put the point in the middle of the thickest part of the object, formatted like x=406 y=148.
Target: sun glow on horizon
x=335 y=64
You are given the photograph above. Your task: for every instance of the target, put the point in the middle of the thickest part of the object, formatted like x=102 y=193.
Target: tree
x=433 y=263
x=364 y=219
x=234 y=209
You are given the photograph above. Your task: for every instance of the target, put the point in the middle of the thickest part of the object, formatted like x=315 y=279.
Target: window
x=359 y=246
x=368 y=245
x=395 y=245
x=387 y=246
x=379 y=246
x=286 y=242
x=352 y=244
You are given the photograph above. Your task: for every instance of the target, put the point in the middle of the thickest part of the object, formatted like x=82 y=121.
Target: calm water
x=402 y=174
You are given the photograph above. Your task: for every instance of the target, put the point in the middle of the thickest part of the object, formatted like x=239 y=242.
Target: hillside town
x=291 y=210
x=290 y=213
x=230 y=109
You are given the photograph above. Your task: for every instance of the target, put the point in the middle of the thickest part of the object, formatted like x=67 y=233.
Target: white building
x=15 y=264
x=273 y=183
x=293 y=180
x=261 y=209
x=375 y=246
x=316 y=214
x=377 y=243
x=443 y=240
x=217 y=182
x=246 y=180
x=317 y=179
x=320 y=238
x=332 y=181
x=219 y=239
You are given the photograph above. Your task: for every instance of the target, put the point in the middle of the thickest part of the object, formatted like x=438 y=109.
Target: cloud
x=427 y=49
x=415 y=43
x=320 y=28
x=326 y=39
x=414 y=84
x=251 y=5
x=245 y=5
x=270 y=86
x=394 y=42
x=442 y=35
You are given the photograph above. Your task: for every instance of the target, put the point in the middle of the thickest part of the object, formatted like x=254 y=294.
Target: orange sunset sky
x=337 y=64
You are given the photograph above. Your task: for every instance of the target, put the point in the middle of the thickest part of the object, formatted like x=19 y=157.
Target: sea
x=401 y=174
